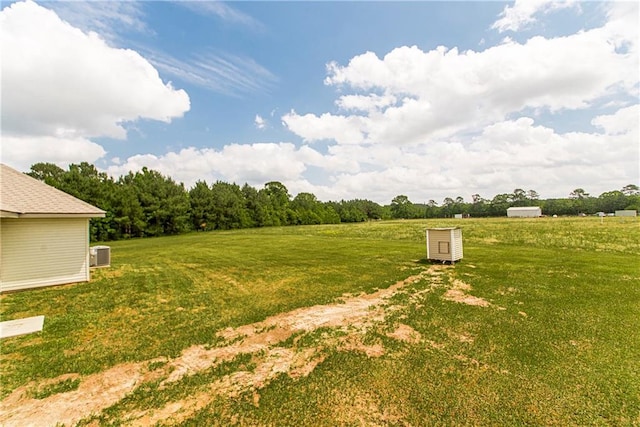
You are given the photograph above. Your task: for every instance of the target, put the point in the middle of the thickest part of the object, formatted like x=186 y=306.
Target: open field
x=340 y=325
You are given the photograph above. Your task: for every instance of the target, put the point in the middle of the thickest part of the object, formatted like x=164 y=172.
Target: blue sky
x=340 y=99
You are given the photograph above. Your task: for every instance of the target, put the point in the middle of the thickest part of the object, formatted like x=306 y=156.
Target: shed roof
x=522 y=208
x=22 y=196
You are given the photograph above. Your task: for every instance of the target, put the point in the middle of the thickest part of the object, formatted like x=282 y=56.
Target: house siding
x=444 y=244
x=43 y=252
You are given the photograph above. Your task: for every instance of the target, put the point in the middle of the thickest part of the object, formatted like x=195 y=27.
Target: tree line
x=147 y=203
x=579 y=202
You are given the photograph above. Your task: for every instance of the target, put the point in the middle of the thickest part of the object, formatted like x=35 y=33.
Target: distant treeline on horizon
x=146 y=203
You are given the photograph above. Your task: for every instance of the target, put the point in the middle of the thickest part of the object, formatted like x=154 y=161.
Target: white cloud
x=505 y=155
x=22 y=152
x=260 y=122
x=522 y=13
x=252 y=163
x=366 y=103
x=225 y=73
x=623 y=121
x=343 y=129
x=438 y=93
x=61 y=86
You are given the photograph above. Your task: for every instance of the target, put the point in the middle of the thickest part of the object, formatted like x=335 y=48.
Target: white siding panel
x=42 y=252
x=444 y=244
x=456 y=237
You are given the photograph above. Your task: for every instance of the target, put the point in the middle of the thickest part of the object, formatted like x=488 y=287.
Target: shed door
x=42 y=252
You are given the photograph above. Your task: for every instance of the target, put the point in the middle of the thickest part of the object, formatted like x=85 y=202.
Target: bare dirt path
x=99 y=391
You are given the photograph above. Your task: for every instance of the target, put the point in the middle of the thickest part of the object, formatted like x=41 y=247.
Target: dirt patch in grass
x=458 y=293
x=405 y=333
x=352 y=315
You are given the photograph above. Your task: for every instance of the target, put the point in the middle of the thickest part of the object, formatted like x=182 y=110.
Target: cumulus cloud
x=522 y=13
x=252 y=163
x=438 y=93
x=21 y=151
x=505 y=155
x=623 y=121
x=435 y=122
x=366 y=103
x=61 y=86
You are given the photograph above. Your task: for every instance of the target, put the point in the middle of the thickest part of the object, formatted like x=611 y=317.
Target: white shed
x=44 y=233
x=444 y=244
x=524 y=212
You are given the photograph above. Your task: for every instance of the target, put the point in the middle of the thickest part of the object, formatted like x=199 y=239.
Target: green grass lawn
x=558 y=345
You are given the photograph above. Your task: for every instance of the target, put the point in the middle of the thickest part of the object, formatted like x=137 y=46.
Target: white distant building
x=524 y=212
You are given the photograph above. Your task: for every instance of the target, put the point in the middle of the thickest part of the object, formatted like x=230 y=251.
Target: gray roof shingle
x=24 y=196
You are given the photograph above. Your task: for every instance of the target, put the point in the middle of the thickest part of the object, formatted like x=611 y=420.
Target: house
x=524 y=212
x=44 y=233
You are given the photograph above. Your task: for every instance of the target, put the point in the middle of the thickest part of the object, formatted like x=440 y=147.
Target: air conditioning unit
x=99 y=256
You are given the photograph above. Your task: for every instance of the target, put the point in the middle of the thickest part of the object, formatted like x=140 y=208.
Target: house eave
x=62 y=215
x=51 y=215
x=8 y=214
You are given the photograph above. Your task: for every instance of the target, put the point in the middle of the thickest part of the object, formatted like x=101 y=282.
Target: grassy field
x=538 y=325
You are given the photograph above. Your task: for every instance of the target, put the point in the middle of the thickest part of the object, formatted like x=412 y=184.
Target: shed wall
x=43 y=252
x=444 y=245
x=524 y=213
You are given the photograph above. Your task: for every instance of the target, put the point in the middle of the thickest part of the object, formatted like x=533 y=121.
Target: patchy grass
x=557 y=342
x=62 y=386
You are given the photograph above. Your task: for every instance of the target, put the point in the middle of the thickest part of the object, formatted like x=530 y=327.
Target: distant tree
x=611 y=201
x=307 y=208
x=165 y=204
x=279 y=198
x=631 y=190
x=349 y=211
x=447 y=208
x=558 y=207
x=258 y=206
x=431 y=209
x=85 y=182
x=518 y=197
x=229 y=207
x=202 y=206
x=533 y=195
x=401 y=207
x=499 y=204
x=48 y=173
x=371 y=209
x=578 y=193
x=479 y=207
x=459 y=206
